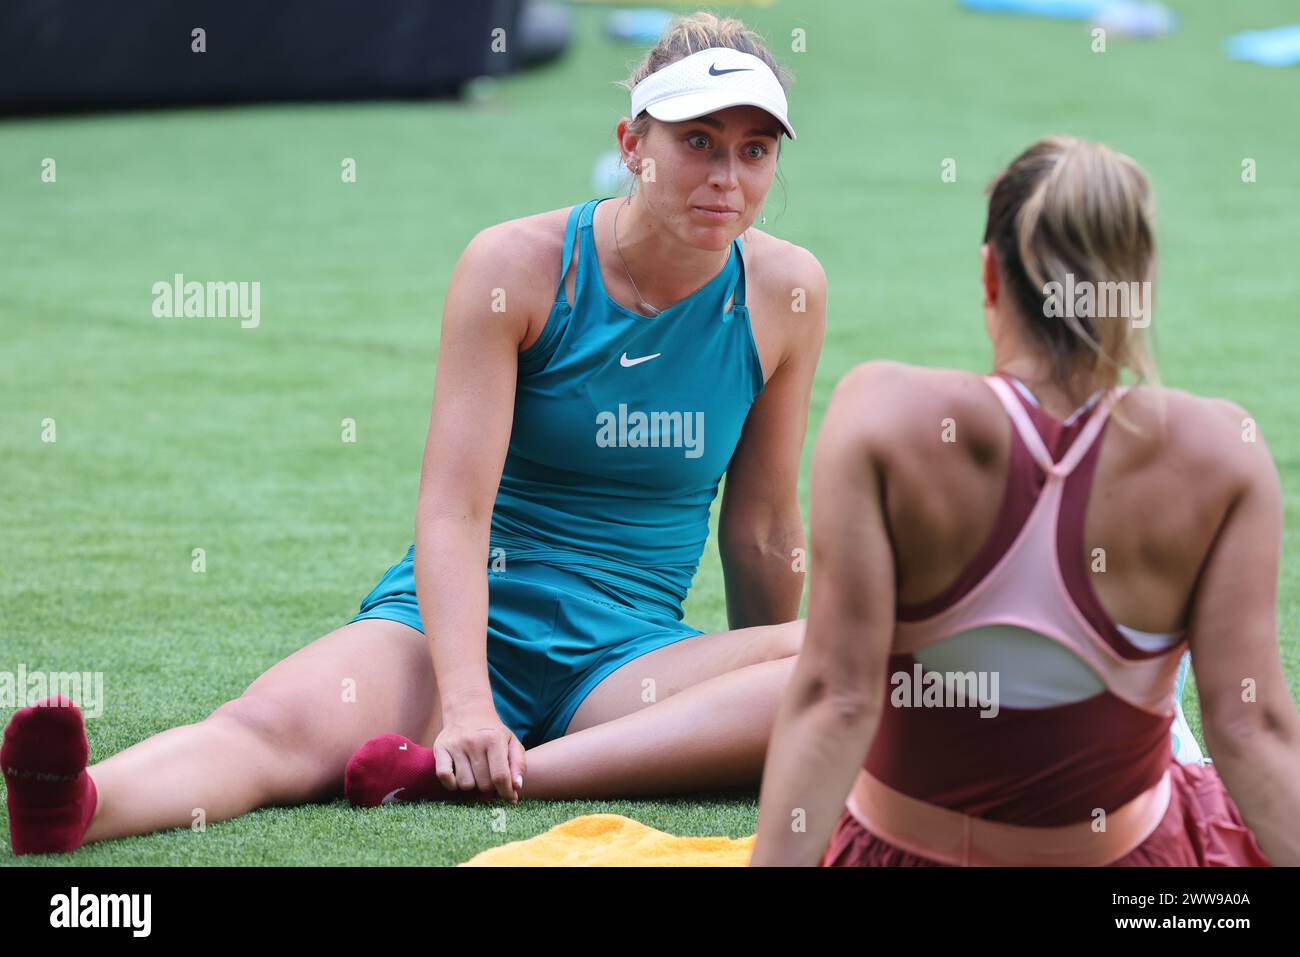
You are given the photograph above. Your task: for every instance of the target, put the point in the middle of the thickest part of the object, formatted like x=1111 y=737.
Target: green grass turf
x=175 y=434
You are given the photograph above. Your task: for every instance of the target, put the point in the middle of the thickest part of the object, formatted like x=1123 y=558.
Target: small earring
x=763 y=221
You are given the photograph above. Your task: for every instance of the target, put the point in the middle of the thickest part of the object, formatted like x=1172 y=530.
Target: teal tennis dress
x=623 y=427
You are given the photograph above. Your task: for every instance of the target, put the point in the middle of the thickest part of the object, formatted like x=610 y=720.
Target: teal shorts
x=552 y=637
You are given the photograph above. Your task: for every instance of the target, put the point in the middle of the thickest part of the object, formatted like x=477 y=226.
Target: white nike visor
x=710 y=80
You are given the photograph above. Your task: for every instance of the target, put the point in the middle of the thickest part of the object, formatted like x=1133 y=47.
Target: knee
x=271 y=722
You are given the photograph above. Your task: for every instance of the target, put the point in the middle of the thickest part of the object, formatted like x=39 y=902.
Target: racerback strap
x=1034 y=442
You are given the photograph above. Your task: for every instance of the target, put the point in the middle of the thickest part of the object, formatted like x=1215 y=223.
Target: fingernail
x=519 y=781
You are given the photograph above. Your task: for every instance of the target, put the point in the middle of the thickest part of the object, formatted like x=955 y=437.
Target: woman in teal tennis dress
x=600 y=369
x=623 y=422
x=623 y=427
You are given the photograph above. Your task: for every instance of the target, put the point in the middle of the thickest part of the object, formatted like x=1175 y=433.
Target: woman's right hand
x=464 y=456
x=475 y=750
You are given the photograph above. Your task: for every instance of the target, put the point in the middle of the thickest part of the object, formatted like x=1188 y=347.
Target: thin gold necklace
x=628 y=272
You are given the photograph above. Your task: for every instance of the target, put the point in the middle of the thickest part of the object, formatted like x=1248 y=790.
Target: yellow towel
x=611 y=840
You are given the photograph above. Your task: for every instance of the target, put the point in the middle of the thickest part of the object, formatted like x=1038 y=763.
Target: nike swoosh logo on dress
x=391 y=797
x=625 y=362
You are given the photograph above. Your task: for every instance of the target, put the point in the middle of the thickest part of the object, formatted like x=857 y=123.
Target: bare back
x=1161 y=491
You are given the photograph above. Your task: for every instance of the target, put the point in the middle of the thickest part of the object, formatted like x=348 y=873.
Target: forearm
x=764 y=577
x=1262 y=773
x=817 y=748
x=451 y=588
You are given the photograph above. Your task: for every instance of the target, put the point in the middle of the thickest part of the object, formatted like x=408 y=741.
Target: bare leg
x=711 y=733
x=286 y=740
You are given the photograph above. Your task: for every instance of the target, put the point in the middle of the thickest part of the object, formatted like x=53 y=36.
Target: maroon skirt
x=1201 y=828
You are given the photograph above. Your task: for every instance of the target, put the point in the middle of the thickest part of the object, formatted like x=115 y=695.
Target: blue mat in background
x=1063 y=9
x=1278 y=47
x=637 y=26
x=1122 y=18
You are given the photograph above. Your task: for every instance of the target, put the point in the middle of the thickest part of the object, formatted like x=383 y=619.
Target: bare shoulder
x=917 y=392
x=785 y=282
x=1212 y=438
x=527 y=250
x=885 y=403
x=518 y=261
x=780 y=269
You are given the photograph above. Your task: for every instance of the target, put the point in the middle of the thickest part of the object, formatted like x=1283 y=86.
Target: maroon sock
x=392 y=769
x=51 y=798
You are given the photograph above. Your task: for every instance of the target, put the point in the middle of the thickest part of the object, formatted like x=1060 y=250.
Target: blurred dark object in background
x=87 y=54
x=545 y=30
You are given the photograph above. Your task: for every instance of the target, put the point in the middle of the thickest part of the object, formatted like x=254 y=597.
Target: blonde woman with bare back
x=576 y=443
x=1005 y=571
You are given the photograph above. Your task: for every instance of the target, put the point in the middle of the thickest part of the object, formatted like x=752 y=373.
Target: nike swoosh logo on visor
x=626 y=362
x=714 y=71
